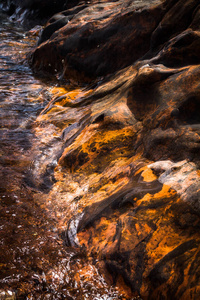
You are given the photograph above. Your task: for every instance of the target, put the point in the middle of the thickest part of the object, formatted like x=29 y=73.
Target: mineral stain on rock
x=125 y=136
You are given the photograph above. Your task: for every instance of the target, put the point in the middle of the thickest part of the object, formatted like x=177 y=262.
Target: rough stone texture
x=98 y=40
x=127 y=147
x=183 y=177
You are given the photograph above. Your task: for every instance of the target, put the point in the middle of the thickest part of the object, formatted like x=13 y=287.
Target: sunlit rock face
x=182 y=177
x=125 y=148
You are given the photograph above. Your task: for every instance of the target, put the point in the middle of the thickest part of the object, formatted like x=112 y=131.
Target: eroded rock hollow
x=125 y=159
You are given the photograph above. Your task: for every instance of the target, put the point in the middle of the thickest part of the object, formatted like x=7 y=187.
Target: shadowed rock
x=85 y=47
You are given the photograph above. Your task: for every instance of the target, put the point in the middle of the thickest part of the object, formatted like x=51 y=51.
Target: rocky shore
x=126 y=137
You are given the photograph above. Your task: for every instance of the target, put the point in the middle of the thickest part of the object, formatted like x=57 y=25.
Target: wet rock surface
x=119 y=152
x=34 y=263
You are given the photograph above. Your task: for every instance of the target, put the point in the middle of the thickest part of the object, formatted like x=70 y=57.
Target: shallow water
x=34 y=263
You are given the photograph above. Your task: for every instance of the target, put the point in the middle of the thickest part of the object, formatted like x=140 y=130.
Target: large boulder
x=128 y=164
x=91 y=41
x=96 y=40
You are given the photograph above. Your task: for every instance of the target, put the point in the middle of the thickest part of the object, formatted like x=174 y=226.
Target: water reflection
x=34 y=263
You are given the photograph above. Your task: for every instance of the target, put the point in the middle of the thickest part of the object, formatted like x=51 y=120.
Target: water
x=34 y=263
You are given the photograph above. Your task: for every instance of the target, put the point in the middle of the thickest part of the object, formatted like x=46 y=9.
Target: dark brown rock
x=86 y=46
x=177 y=19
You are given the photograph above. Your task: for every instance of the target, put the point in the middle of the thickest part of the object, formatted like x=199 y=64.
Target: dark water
x=34 y=263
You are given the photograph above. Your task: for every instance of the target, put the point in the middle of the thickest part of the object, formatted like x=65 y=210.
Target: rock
x=58 y=21
x=177 y=19
x=85 y=46
x=127 y=195
x=143 y=242
x=183 y=177
x=128 y=167
x=181 y=50
x=84 y=49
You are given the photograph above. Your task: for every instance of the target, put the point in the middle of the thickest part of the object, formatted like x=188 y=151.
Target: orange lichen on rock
x=166 y=193
x=102 y=235
x=151 y=225
x=147 y=174
x=98 y=148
